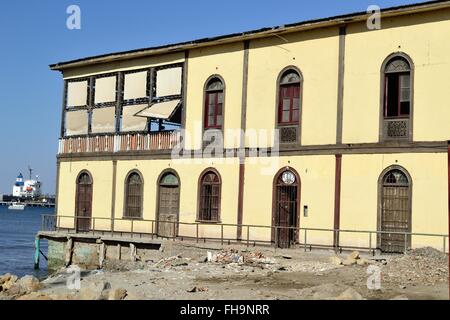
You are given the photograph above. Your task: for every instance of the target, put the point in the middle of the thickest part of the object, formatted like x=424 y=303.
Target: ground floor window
x=133 y=196
x=210 y=196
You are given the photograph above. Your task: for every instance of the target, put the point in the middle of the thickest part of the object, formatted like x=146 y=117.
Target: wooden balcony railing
x=120 y=143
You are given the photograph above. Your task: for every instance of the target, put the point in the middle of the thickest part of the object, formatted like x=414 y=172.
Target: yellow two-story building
x=311 y=132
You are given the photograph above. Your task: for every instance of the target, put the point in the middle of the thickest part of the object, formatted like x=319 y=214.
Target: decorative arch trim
x=84 y=171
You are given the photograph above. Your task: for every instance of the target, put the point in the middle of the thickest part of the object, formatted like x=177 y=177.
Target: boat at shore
x=17 y=206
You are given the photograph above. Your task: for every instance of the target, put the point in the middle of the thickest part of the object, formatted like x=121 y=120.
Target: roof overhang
x=249 y=35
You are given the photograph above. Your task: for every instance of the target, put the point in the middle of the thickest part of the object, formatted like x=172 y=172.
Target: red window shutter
x=289 y=104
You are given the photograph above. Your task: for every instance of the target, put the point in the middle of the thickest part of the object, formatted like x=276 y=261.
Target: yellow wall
x=189 y=175
x=226 y=61
x=317 y=192
x=315 y=53
x=101 y=172
x=425 y=39
x=359 y=194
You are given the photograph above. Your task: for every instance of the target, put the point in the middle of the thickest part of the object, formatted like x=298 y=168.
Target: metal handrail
x=247 y=240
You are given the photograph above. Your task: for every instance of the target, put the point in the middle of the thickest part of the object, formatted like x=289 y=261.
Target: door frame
x=161 y=175
x=76 y=197
x=380 y=201
x=274 y=201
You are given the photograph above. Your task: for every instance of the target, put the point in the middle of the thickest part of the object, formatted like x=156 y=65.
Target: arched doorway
x=168 y=204
x=83 y=206
x=395 y=210
x=286 y=204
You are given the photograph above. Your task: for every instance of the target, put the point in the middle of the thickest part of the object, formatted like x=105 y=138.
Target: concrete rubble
x=12 y=286
x=243 y=258
x=427 y=266
x=352 y=259
x=28 y=288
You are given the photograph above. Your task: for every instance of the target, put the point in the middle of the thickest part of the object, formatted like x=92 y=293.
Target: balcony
x=119 y=143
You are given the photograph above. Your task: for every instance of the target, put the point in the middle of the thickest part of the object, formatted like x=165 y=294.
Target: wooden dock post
x=68 y=253
x=37 y=252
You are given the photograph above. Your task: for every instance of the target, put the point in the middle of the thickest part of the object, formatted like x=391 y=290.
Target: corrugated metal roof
x=309 y=24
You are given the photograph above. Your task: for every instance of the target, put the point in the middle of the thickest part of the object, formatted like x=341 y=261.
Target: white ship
x=17 y=206
x=30 y=188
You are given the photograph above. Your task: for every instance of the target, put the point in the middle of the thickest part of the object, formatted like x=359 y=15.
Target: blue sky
x=33 y=34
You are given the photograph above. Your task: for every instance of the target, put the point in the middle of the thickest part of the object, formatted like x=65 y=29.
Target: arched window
x=395 y=178
x=289 y=99
x=84 y=178
x=397 y=97
x=133 y=196
x=289 y=105
x=210 y=196
x=214 y=94
x=398 y=88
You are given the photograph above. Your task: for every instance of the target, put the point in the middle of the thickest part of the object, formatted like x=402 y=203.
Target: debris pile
x=243 y=258
x=426 y=266
x=175 y=261
x=198 y=289
x=316 y=267
x=352 y=259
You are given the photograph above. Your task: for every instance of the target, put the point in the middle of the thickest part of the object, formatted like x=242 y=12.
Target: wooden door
x=395 y=212
x=168 y=206
x=84 y=203
x=286 y=210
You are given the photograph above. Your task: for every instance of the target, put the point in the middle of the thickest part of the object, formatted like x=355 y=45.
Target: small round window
x=288 y=177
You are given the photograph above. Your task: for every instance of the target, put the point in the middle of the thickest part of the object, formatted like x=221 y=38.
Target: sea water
x=17 y=233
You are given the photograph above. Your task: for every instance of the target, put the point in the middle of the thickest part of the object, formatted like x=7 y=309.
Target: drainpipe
x=448 y=173
x=337 y=201
x=240 y=209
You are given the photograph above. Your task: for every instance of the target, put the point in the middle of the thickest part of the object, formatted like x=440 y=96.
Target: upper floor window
x=289 y=100
x=210 y=194
x=133 y=196
x=397 y=88
x=397 y=73
x=289 y=88
x=214 y=94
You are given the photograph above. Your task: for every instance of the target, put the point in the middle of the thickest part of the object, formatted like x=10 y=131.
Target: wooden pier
x=29 y=204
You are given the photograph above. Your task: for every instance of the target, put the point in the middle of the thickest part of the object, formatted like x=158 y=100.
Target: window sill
x=208 y=221
x=397 y=118
x=288 y=124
